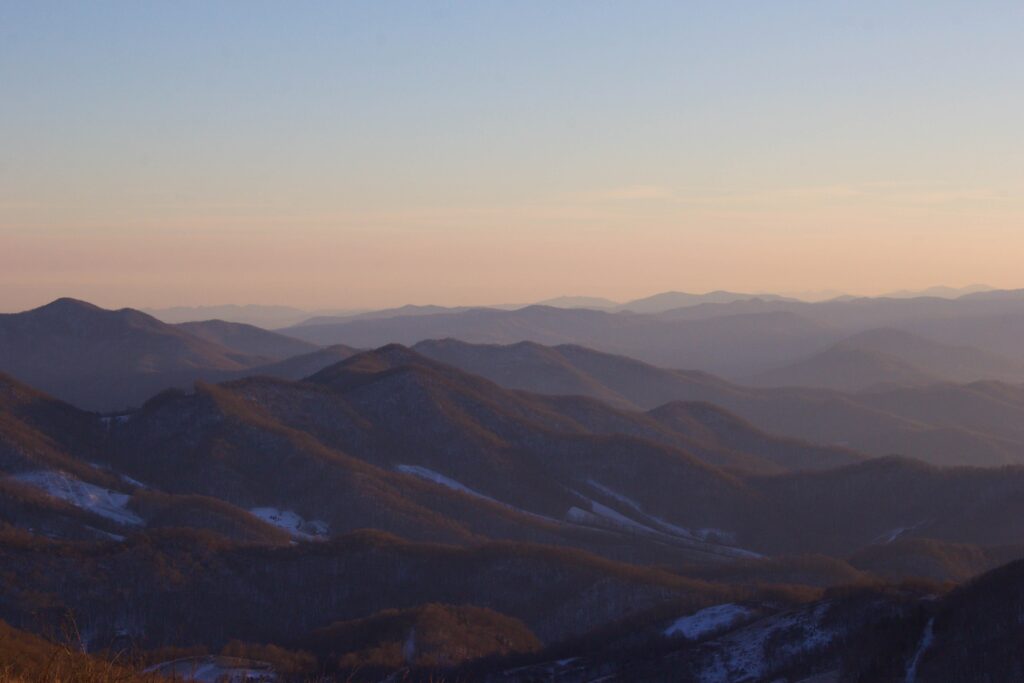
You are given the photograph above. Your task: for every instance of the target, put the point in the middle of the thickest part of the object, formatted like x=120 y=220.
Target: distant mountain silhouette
x=299 y=366
x=992 y=322
x=939 y=291
x=995 y=295
x=596 y=302
x=846 y=368
x=667 y=301
x=108 y=360
x=977 y=423
x=886 y=356
x=652 y=304
x=951 y=363
x=268 y=317
x=409 y=310
x=657 y=303
x=105 y=359
x=731 y=345
x=248 y=339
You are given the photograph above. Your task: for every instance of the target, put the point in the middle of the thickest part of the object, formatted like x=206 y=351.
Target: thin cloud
x=888 y=193
x=626 y=193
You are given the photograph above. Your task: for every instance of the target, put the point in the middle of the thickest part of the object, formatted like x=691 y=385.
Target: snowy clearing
x=448 y=482
x=707 y=621
x=438 y=478
x=215 y=669
x=95 y=499
x=747 y=654
x=616 y=517
x=654 y=524
x=292 y=522
x=898 y=532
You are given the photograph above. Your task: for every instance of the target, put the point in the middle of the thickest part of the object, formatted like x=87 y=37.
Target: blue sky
x=375 y=153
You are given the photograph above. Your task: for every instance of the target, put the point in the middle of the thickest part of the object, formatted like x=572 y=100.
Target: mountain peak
x=66 y=304
x=367 y=363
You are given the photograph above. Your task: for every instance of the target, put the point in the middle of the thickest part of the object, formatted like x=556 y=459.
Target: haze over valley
x=747 y=452
x=511 y=342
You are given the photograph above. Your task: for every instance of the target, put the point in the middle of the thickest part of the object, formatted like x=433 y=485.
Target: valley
x=573 y=495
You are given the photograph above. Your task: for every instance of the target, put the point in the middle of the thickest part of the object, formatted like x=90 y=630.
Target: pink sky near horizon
x=627 y=244
x=366 y=155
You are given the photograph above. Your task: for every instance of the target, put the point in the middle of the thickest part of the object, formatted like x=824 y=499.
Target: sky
x=367 y=154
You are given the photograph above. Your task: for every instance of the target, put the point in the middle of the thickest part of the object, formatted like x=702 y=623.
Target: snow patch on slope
x=715 y=536
x=927 y=637
x=616 y=517
x=448 y=482
x=94 y=499
x=438 y=478
x=214 y=669
x=707 y=621
x=123 y=477
x=747 y=654
x=292 y=522
x=133 y=482
x=660 y=523
x=898 y=532
x=664 y=525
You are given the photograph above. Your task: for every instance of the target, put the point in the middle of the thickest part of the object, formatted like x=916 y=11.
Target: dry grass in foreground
x=25 y=658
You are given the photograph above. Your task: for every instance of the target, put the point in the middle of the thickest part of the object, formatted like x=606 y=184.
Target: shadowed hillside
x=978 y=423
x=524 y=515
x=389 y=439
x=109 y=360
x=247 y=339
x=881 y=357
x=732 y=345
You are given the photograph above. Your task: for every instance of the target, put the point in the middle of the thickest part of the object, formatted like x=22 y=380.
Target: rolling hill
x=844 y=368
x=880 y=357
x=731 y=345
x=667 y=301
x=554 y=516
x=392 y=440
x=267 y=317
x=107 y=360
x=991 y=321
x=969 y=424
x=247 y=339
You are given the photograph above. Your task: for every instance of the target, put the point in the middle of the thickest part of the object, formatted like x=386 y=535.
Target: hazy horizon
x=807 y=296
x=268 y=476
x=366 y=156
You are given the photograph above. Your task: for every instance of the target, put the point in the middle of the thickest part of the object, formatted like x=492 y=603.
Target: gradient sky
x=351 y=154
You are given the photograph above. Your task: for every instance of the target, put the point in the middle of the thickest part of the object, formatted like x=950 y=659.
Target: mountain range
x=392 y=440
x=505 y=512
x=899 y=393
x=110 y=360
x=740 y=339
x=944 y=423
x=890 y=357
x=283 y=316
